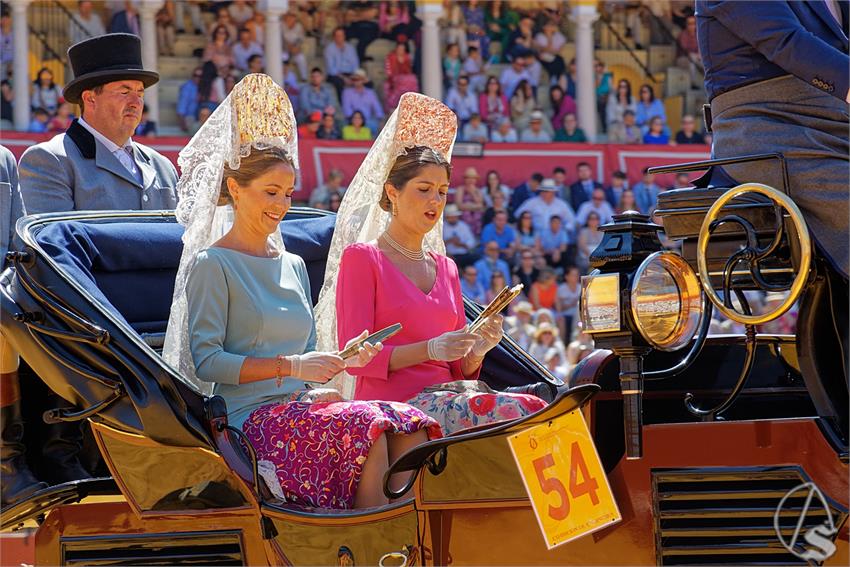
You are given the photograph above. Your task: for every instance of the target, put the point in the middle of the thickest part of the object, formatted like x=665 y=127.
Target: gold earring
x=395 y=209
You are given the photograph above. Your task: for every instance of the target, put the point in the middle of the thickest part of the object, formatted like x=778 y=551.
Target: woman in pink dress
x=401 y=275
x=400 y=76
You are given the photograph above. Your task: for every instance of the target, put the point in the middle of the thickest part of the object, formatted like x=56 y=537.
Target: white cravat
x=124 y=153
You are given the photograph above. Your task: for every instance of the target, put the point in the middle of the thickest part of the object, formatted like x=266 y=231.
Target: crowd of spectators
x=505 y=77
x=504 y=69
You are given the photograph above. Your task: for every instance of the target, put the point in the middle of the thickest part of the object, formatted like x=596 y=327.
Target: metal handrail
x=71 y=18
x=605 y=18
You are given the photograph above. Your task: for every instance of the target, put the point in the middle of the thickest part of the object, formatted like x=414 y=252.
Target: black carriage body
x=87 y=303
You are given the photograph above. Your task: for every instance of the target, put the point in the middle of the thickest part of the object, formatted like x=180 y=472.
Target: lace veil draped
x=256 y=115
x=418 y=120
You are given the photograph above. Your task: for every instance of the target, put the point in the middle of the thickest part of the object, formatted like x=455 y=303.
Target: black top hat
x=103 y=59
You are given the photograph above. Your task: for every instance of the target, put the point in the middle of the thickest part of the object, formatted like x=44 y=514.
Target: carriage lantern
x=638 y=297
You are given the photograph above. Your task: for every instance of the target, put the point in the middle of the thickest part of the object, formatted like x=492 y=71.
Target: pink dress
x=372 y=293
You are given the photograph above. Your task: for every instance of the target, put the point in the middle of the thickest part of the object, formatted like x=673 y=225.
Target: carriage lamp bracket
x=693 y=354
x=750 y=343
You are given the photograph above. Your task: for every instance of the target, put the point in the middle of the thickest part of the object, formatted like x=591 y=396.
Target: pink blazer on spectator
x=372 y=293
x=486 y=113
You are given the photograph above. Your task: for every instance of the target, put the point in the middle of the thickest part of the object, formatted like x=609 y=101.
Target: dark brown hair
x=251 y=167
x=407 y=166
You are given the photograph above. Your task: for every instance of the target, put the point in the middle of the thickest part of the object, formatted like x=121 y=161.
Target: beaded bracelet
x=279 y=370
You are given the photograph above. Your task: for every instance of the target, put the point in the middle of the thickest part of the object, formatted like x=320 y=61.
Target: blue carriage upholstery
x=129 y=265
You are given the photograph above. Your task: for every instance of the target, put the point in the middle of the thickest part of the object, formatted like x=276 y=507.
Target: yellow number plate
x=564 y=479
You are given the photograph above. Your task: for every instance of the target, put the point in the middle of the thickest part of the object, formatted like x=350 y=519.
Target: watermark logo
x=818 y=544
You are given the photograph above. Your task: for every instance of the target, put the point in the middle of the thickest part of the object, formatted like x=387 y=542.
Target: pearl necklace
x=415 y=255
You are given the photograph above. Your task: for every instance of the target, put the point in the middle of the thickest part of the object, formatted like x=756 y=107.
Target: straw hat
x=545 y=327
x=524 y=307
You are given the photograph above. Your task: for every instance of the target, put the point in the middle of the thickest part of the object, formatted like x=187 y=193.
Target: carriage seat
x=130 y=265
x=682 y=212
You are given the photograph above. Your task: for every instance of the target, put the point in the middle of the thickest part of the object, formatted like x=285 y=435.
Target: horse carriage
x=705 y=439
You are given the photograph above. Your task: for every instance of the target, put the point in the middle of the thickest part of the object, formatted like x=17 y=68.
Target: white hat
x=451 y=211
x=548 y=184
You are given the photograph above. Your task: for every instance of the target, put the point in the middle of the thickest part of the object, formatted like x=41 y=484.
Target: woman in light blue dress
x=247 y=327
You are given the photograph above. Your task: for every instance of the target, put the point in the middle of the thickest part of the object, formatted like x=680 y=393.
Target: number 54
x=580 y=482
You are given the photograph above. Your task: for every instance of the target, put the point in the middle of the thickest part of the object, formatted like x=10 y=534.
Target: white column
x=20 y=64
x=432 y=69
x=274 y=43
x=584 y=14
x=150 y=53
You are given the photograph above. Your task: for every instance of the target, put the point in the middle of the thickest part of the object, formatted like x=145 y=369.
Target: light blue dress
x=247 y=306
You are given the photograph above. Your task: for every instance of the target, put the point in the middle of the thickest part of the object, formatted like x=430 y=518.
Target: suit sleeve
x=356 y=292
x=45 y=184
x=773 y=30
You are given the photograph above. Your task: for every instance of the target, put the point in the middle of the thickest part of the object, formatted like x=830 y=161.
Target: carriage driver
x=776 y=76
x=95 y=165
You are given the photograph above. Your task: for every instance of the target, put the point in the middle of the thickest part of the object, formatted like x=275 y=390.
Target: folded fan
x=502 y=300
x=374 y=338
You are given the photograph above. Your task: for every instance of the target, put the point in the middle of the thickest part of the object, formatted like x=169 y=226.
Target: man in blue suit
x=582 y=190
x=776 y=74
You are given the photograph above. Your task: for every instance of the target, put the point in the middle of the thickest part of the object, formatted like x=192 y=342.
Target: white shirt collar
x=110 y=145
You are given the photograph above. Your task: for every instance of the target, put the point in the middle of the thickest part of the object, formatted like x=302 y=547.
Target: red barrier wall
x=514 y=162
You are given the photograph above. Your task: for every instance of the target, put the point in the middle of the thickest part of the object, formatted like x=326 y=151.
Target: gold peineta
x=425 y=121
x=262 y=109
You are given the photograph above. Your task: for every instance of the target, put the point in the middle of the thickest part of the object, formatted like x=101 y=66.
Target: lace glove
x=451 y=346
x=488 y=336
x=365 y=353
x=315 y=366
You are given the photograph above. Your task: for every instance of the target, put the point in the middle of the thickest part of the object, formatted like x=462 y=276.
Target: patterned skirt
x=313 y=453
x=460 y=410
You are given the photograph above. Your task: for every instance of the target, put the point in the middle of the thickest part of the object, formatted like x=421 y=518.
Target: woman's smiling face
x=261 y=204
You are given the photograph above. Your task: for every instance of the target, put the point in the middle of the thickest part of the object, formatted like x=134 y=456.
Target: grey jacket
x=11 y=205
x=73 y=171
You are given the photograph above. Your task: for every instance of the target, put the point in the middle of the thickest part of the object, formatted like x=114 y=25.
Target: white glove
x=315 y=366
x=365 y=353
x=489 y=335
x=451 y=346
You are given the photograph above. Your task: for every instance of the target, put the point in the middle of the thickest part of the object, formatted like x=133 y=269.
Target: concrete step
x=379 y=49
x=186 y=43
x=167 y=114
x=621 y=56
x=177 y=67
x=678 y=81
x=169 y=90
x=661 y=57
